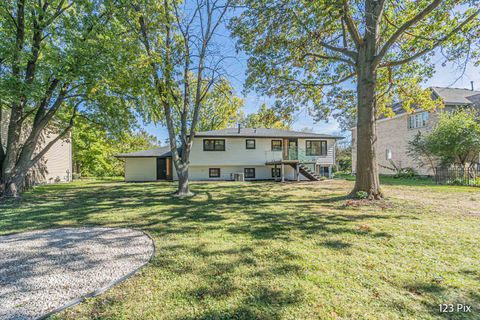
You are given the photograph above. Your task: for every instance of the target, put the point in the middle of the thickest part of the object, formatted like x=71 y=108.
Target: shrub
x=457 y=182
x=361 y=195
x=477 y=181
x=405 y=173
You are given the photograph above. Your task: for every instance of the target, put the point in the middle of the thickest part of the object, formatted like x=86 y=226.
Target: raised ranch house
x=394 y=134
x=55 y=166
x=257 y=154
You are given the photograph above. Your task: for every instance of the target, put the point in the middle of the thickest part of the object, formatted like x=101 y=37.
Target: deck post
x=283 y=172
x=329 y=172
x=297 y=172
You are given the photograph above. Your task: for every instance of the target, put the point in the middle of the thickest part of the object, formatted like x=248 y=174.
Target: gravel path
x=42 y=271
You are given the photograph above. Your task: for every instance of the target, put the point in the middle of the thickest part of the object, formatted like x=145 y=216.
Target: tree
x=57 y=58
x=221 y=109
x=94 y=148
x=175 y=42
x=299 y=48
x=420 y=152
x=343 y=156
x=273 y=117
x=456 y=138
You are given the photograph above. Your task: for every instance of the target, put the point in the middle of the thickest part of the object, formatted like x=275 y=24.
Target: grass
x=276 y=251
x=391 y=180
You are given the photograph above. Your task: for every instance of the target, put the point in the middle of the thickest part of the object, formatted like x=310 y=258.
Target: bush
x=405 y=173
x=361 y=195
x=345 y=164
x=457 y=182
x=477 y=181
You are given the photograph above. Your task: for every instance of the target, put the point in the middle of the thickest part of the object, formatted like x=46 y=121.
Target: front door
x=161 y=168
x=293 y=149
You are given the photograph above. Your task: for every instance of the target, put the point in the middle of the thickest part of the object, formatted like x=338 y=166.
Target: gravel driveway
x=42 y=271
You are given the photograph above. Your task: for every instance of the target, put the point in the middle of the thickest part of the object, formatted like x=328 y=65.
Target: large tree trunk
x=183 y=185
x=367 y=171
x=12 y=186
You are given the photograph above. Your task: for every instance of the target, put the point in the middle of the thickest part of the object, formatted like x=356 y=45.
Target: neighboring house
x=394 y=134
x=55 y=166
x=258 y=154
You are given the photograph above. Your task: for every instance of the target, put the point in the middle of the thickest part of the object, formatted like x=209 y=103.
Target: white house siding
x=261 y=172
x=140 y=169
x=236 y=153
x=328 y=159
x=234 y=159
x=394 y=134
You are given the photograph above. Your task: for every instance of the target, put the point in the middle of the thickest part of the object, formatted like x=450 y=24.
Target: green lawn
x=276 y=251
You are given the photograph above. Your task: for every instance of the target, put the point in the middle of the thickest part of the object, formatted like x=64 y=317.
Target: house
x=257 y=153
x=394 y=134
x=56 y=164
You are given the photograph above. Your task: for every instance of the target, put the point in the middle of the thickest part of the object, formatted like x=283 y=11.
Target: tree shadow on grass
x=336 y=244
x=257 y=213
x=432 y=294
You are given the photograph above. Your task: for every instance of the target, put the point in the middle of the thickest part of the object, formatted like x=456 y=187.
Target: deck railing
x=293 y=154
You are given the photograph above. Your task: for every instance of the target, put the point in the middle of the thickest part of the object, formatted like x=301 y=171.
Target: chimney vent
x=239 y=127
x=471 y=83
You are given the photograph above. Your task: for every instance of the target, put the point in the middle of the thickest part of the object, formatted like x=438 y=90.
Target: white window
x=418 y=120
x=388 y=154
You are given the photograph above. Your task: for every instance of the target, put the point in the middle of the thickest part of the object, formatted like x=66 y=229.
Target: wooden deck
x=274 y=162
x=282 y=161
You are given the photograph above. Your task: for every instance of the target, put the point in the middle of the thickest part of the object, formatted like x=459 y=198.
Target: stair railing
x=299 y=154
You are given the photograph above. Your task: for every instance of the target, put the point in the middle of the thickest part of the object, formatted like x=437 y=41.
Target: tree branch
x=352 y=29
x=60 y=9
x=432 y=6
x=436 y=44
x=323 y=84
x=327 y=57
x=345 y=51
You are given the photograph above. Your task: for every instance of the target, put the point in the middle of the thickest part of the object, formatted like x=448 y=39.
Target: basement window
x=276 y=172
x=249 y=173
x=214 y=172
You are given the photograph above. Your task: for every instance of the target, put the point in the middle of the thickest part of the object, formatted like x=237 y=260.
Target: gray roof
x=457 y=96
x=152 y=153
x=262 y=133
x=451 y=97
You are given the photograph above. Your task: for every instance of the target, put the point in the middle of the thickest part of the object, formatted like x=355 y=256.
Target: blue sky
x=445 y=76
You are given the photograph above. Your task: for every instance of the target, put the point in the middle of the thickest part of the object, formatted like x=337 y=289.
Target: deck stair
x=297 y=158
x=307 y=172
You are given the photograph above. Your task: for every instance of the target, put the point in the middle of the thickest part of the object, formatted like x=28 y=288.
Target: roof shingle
x=457 y=96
